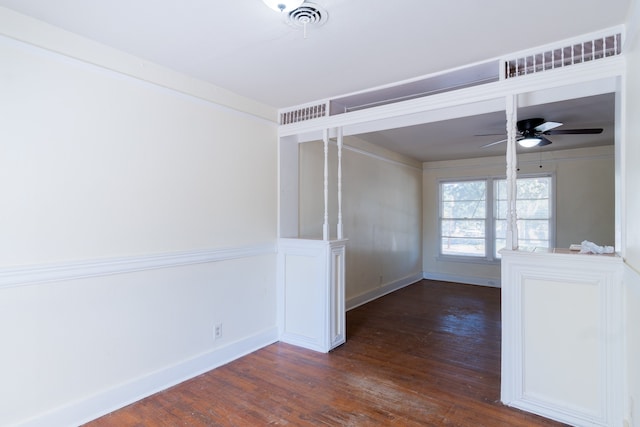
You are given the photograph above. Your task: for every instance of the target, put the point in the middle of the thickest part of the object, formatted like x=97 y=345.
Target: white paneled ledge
x=562 y=340
x=311 y=293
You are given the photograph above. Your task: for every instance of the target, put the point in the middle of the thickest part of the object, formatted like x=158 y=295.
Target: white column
x=512 y=166
x=325 y=224
x=340 y=228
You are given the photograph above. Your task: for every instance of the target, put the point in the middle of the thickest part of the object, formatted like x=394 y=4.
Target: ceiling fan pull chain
x=540 y=152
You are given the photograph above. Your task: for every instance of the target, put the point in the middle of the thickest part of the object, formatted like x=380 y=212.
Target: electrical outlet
x=217 y=331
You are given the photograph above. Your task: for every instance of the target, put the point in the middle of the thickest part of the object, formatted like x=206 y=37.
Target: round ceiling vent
x=308 y=14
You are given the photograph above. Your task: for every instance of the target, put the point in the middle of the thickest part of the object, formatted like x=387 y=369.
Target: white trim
x=469 y=280
x=499 y=60
x=374 y=294
x=347 y=145
x=469 y=259
x=379 y=157
x=579 y=73
x=104 y=402
x=34 y=274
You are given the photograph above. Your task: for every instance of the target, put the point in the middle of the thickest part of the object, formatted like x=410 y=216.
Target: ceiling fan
x=532 y=132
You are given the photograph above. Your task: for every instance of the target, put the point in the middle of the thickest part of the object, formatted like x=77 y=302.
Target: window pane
x=533 y=208
x=463 y=210
x=462 y=228
x=501 y=209
x=500 y=229
x=464 y=190
x=533 y=188
x=500 y=203
x=501 y=189
x=463 y=246
x=533 y=230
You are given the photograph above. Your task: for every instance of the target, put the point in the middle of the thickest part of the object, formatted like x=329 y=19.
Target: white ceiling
x=465 y=137
x=247 y=48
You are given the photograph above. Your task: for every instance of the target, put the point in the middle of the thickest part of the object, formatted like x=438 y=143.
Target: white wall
x=381 y=214
x=631 y=207
x=135 y=216
x=582 y=177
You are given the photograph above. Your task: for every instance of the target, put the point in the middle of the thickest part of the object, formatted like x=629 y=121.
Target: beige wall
x=100 y=166
x=381 y=213
x=103 y=170
x=584 y=203
x=631 y=154
x=631 y=214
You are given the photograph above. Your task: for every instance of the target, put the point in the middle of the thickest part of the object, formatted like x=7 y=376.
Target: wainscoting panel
x=562 y=339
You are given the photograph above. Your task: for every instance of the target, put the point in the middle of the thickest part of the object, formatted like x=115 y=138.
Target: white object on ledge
x=588 y=247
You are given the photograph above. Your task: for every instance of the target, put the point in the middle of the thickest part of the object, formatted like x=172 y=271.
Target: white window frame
x=490 y=219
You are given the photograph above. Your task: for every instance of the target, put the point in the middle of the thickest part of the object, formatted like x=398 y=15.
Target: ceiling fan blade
x=544 y=141
x=546 y=126
x=493 y=143
x=573 y=131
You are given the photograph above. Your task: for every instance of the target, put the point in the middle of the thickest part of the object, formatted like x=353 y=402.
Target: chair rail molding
x=54 y=272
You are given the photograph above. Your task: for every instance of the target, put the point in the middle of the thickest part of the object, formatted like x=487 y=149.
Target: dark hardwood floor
x=426 y=355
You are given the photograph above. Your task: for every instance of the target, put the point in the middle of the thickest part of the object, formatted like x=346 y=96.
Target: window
x=472 y=227
x=463 y=218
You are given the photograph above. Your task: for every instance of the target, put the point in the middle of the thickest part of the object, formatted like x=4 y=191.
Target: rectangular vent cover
x=577 y=53
x=303 y=113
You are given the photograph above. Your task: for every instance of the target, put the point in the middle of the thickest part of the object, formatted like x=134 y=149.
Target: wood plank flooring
x=426 y=355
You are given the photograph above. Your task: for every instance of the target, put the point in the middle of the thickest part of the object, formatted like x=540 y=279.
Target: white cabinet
x=311 y=293
x=562 y=354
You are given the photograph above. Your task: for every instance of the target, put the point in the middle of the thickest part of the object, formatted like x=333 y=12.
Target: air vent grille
x=303 y=113
x=308 y=14
x=560 y=57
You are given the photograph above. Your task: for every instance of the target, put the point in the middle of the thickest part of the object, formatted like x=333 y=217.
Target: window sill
x=467 y=259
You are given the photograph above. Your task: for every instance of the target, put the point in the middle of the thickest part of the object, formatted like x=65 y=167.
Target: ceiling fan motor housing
x=529 y=124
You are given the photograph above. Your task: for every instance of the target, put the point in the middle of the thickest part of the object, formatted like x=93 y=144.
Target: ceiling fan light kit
x=529 y=142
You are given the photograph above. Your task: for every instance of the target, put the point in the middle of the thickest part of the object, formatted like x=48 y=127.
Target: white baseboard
x=361 y=299
x=469 y=280
x=102 y=403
